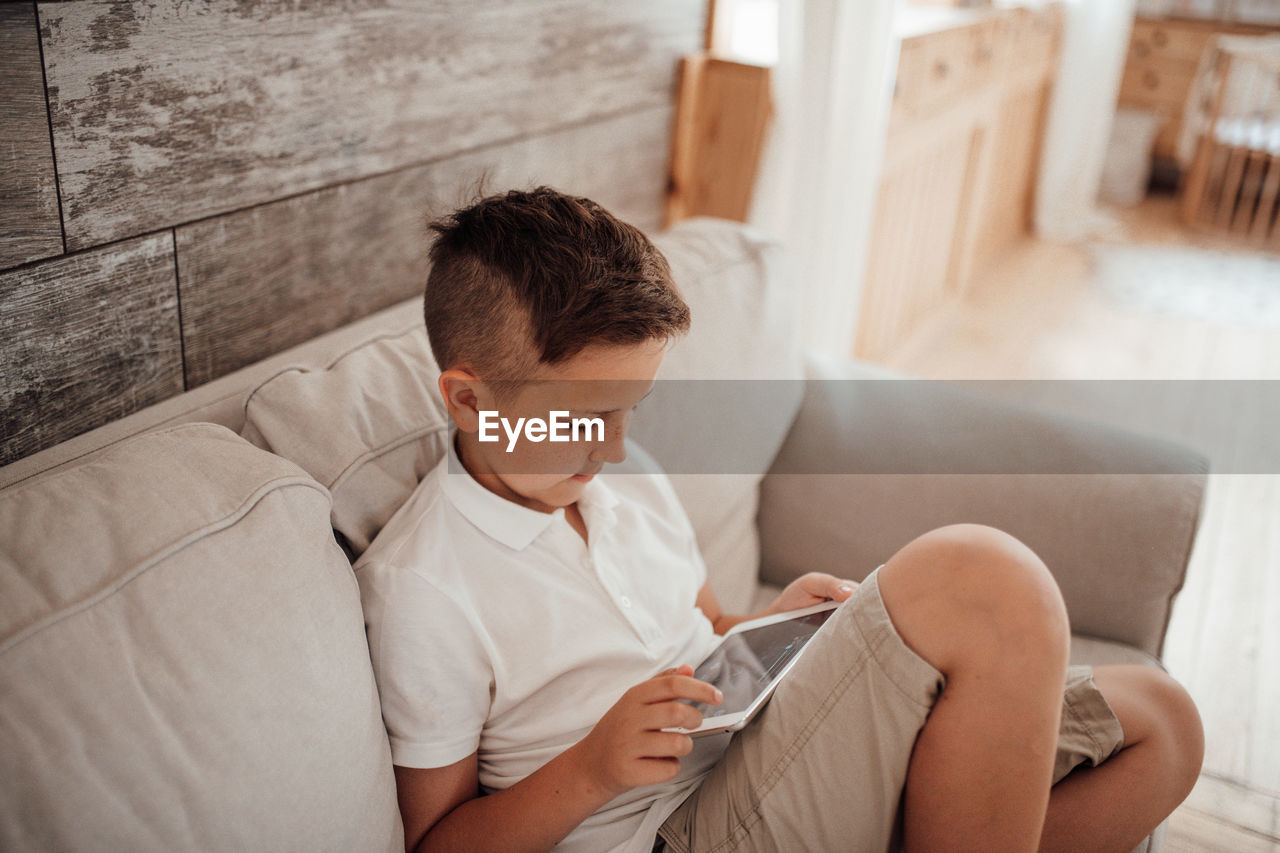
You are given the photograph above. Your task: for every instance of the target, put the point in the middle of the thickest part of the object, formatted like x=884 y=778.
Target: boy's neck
x=473 y=461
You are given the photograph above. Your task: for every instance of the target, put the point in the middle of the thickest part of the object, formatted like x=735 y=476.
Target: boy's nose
x=612 y=449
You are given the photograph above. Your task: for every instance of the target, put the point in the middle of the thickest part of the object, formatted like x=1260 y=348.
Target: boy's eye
x=612 y=412
x=609 y=414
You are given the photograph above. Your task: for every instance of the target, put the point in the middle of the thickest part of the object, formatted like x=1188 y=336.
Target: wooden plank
x=1193 y=831
x=894 y=290
x=1250 y=190
x=1231 y=187
x=1232 y=623
x=885 y=240
x=1006 y=217
x=1267 y=202
x=976 y=171
x=1200 y=185
x=724 y=111
x=978 y=180
x=1274 y=234
x=260 y=280
x=86 y=339
x=1216 y=176
x=1264 y=756
x=165 y=113
x=683 y=136
x=1236 y=808
x=29 y=225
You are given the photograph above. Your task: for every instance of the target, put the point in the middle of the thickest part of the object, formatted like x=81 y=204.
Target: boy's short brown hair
x=529 y=277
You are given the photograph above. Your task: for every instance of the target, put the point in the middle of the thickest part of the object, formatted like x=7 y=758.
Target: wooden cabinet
x=960 y=160
x=1162 y=62
x=1164 y=54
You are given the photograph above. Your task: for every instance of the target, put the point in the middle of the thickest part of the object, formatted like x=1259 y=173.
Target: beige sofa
x=182 y=656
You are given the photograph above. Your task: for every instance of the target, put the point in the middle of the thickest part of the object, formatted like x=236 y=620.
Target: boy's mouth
x=585 y=478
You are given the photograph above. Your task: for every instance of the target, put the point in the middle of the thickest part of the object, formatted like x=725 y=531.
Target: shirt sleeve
x=434 y=677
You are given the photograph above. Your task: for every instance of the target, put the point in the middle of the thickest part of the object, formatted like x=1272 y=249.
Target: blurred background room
x=1083 y=190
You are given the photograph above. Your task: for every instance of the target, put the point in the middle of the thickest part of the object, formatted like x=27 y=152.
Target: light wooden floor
x=1039 y=314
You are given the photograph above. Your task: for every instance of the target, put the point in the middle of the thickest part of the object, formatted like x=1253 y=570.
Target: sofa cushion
x=737 y=372
x=183 y=658
x=371 y=424
x=368 y=427
x=1096 y=651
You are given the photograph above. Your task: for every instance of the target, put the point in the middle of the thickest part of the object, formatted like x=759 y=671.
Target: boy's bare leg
x=1115 y=805
x=979 y=606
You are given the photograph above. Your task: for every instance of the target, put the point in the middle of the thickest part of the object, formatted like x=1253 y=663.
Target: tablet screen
x=745 y=663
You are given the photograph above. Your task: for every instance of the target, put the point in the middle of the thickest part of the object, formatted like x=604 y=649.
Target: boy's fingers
x=844 y=589
x=673 y=715
x=663 y=768
x=829 y=586
x=664 y=744
x=682 y=669
x=668 y=687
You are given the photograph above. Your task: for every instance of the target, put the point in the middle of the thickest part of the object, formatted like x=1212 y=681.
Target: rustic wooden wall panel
x=87 y=339
x=29 y=224
x=264 y=279
x=165 y=113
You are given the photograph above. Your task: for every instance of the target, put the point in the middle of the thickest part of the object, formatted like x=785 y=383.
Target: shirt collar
x=506 y=521
x=596 y=505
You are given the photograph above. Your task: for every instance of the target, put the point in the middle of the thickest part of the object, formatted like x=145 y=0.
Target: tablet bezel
x=737 y=720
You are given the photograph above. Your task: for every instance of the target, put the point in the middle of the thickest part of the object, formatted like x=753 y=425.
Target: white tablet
x=752 y=657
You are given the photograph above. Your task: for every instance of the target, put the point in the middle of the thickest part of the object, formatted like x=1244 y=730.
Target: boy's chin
x=568 y=490
x=560 y=495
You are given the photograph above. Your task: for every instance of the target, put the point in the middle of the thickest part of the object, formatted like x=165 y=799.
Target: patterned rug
x=1221 y=287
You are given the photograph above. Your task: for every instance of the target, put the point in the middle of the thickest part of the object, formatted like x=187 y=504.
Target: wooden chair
x=1233 y=128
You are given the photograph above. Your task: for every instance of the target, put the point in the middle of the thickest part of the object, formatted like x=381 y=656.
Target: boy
x=532 y=620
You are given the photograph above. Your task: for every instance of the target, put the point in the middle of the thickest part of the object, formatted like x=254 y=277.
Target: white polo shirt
x=494 y=628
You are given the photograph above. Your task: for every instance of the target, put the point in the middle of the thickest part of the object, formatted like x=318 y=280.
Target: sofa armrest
x=869 y=465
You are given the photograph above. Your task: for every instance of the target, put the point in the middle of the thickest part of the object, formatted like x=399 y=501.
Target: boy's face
x=602 y=381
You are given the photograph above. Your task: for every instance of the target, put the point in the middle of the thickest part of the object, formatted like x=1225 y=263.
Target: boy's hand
x=628 y=748
x=811 y=588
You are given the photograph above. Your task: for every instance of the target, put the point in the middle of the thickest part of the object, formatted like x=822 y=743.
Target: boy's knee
x=1186 y=732
x=984 y=588
x=1154 y=708
x=1159 y=716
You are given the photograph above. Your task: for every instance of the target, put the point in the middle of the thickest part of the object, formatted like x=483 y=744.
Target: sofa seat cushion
x=183 y=659
x=371 y=424
x=1099 y=652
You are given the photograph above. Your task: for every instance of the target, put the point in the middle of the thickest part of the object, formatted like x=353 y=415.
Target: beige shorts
x=823 y=765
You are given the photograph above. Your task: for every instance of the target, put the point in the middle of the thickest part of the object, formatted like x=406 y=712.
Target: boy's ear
x=460 y=388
